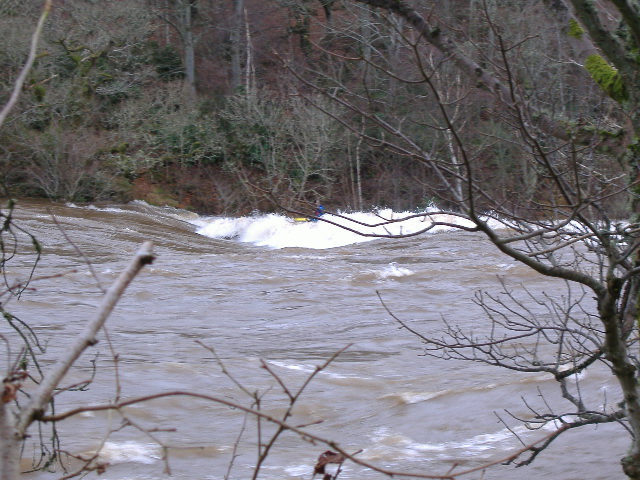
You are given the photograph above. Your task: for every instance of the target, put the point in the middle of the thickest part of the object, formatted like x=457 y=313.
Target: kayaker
x=317 y=214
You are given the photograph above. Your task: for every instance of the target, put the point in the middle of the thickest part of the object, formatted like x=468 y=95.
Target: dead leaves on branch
x=11 y=385
x=325 y=459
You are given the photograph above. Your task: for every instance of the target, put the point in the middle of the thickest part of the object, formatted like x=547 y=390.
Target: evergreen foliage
x=167 y=62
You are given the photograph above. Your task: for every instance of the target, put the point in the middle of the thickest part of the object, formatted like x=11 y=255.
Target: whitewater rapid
x=331 y=230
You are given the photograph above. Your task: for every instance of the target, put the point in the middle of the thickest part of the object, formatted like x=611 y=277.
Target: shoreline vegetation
x=118 y=107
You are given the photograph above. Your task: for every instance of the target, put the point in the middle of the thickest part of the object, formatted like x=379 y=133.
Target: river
x=291 y=296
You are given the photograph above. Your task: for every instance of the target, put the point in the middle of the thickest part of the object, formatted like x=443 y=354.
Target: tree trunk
x=189 y=48
x=9 y=446
x=236 y=47
x=623 y=369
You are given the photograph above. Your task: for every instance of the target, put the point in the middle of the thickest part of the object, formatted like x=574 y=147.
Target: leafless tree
x=181 y=16
x=570 y=204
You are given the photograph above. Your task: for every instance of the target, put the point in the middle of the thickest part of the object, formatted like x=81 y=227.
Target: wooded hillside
x=221 y=105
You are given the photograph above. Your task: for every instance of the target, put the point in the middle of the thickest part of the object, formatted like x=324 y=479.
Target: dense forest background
x=221 y=106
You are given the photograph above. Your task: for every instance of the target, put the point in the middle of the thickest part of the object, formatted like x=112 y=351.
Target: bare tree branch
x=39 y=399
x=17 y=89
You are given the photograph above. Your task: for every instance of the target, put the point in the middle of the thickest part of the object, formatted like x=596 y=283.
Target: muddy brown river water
x=291 y=308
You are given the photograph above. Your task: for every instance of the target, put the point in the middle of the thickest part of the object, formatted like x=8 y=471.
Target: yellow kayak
x=300 y=219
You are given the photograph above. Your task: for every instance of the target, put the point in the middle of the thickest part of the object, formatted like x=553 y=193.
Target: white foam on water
x=393 y=446
x=309 y=369
x=279 y=231
x=302 y=471
x=94 y=207
x=410 y=398
x=394 y=271
x=129 y=452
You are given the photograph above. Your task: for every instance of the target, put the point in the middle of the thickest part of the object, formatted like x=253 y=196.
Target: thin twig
x=17 y=89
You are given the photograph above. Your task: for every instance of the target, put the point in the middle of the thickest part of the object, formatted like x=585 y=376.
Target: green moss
x=607 y=77
x=120 y=148
x=39 y=92
x=575 y=30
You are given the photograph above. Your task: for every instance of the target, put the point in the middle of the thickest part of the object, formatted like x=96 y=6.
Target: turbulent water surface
x=263 y=291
